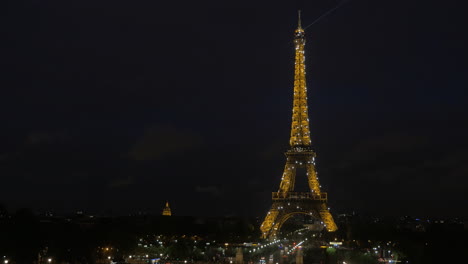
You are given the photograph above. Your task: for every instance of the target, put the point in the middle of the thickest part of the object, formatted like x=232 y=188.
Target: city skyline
x=121 y=107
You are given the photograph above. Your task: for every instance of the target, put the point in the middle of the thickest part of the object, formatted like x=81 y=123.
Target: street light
x=6 y=261
x=49 y=260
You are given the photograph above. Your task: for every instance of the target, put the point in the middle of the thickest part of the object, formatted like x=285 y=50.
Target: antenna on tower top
x=299 y=19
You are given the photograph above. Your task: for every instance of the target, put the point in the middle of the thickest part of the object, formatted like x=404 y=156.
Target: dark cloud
x=45 y=137
x=213 y=190
x=118 y=183
x=403 y=173
x=163 y=141
x=383 y=148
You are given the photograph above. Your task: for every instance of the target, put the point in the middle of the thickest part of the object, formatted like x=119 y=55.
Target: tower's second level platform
x=298 y=196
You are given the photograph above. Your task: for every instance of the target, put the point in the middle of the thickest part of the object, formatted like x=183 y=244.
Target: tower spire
x=299 y=26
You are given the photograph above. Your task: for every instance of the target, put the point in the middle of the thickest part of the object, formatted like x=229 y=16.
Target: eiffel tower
x=286 y=202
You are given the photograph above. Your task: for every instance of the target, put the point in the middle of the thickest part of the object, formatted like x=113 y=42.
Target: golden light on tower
x=300 y=133
x=286 y=202
x=167 y=210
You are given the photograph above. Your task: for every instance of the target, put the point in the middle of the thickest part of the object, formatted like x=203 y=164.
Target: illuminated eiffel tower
x=286 y=202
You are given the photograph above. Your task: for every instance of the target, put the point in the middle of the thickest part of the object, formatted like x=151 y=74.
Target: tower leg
x=327 y=219
x=312 y=178
x=287 y=181
x=268 y=223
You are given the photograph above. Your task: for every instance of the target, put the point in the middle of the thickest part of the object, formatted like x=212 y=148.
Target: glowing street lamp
x=49 y=260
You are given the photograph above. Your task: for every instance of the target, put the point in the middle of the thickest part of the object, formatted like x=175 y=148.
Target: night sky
x=114 y=107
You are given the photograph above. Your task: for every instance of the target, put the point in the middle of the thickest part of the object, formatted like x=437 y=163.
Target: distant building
x=167 y=210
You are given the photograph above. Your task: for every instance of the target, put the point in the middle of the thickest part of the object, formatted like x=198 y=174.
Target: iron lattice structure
x=286 y=202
